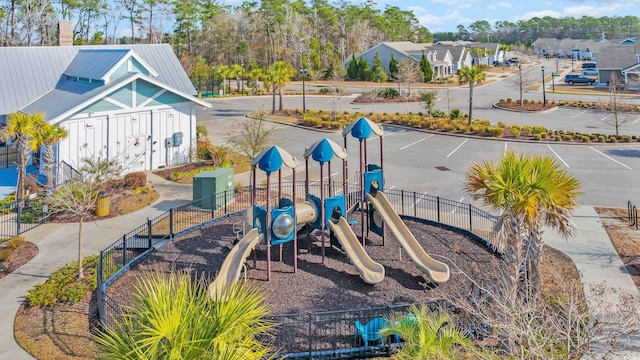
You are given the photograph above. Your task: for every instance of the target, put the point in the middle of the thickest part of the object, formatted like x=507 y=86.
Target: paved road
x=435 y=164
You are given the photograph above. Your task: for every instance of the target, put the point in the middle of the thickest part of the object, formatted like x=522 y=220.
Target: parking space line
x=459 y=146
x=455 y=208
x=392 y=187
x=636 y=120
x=609 y=157
x=505 y=146
x=417 y=141
x=558 y=156
x=604 y=118
x=417 y=201
x=578 y=114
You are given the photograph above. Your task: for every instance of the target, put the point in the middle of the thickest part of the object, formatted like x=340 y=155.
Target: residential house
x=621 y=61
x=134 y=103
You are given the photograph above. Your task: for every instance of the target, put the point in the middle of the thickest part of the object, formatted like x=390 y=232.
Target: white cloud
x=594 y=11
x=504 y=5
x=439 y=23
x=540 y=14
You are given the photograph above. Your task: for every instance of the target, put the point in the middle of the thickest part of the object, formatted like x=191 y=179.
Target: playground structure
x=276 y=223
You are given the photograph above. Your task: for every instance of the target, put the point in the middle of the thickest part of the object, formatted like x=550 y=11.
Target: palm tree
x=528 y=192
x=48 y=136
x=173 y=317
x=23 y=129
x=225 y=73
x=474 y=74
x=427 y=335
x=277 y=77
x=254 y=77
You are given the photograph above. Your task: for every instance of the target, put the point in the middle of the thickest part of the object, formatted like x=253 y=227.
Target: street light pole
x=242 y=77
x=544 y=92
x=303 y=71
x=213 y=86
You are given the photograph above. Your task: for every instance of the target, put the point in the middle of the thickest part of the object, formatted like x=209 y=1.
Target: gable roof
x=617 y=56
x=70 y=96
x=101 y=63
x=27 y=73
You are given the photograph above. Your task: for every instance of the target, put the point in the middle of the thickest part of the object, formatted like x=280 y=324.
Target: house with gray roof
x=446 y=58
x=132 y=103
x=622 y=62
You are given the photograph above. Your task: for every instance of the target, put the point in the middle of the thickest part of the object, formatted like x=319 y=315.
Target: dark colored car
x=578 y=79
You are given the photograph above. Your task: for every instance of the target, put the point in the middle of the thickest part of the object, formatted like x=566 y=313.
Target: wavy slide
x=437 y=271
x=232 y=265
x=370 y=271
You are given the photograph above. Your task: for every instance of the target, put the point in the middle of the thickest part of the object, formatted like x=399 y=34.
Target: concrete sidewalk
x=598 y=263
x=58 y=245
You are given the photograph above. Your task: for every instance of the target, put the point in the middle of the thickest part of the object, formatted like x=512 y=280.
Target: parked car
x=589 y=65
x=590 y=72
x=578 y=79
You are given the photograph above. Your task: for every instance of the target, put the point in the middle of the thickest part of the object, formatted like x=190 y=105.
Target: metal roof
x=69 y=96
x=27 y=73
x=95 y=64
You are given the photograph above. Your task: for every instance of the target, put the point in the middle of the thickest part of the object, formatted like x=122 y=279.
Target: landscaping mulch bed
x=20 y=256
x=335 y=284
x=525 y=107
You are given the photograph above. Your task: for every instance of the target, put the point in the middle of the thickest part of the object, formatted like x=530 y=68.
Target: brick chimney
x=65 y=33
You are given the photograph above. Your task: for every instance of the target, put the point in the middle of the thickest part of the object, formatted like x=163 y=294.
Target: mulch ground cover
x=334 y=285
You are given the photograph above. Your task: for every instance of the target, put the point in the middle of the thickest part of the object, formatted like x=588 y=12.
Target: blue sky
x=446 y=15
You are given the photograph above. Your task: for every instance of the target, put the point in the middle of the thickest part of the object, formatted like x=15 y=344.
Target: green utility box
x=210 y=187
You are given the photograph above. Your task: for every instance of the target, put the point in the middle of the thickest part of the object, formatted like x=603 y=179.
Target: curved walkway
x=592 y=252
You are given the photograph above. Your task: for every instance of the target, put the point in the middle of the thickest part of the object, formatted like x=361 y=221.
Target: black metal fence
x=632 y=214
x=311 y=335
x=15 y=220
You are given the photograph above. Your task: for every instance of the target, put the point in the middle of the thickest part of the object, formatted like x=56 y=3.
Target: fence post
x=212 y=204
x=18 y=219
x=124 y=250
x=629 y=210
x=100 y=292
x=149 y=236
x=171 y=223
x=415 y=205
x=438 y=207
x=309 y=335
x=470 y=219
x=225 y=201
x=402 y=201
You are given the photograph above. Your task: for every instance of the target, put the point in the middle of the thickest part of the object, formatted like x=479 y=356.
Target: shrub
x=567 y=137
x=201 y=130
x=323 y=91
x=509 y=100
x=613 y=139
x=15 y=242
x=143 y=190
x=390 y=93
x=287 y=112
x=495 y=131
x=135 y=180
x=602 y=138
x=501 y=101
x=586 y=139
x=538 y=136
x=455 y=113
x=64 y=285
x=525 y=102
x=515 y=131
x=539 y=129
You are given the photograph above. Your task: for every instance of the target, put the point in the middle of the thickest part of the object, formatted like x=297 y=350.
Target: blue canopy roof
x=273 y=159
x=324 y=150
x=362 y=129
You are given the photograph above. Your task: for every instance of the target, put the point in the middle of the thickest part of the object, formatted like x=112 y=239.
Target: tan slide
x=232 y=265
x=437 y=271
x=370 y=271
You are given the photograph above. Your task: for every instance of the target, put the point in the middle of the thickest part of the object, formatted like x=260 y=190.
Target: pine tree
x=352 y=70
x=393 y=67
x=362 y=66
x=379 y=74
x=425 y=68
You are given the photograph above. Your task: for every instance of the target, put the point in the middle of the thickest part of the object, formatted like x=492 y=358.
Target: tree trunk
x=23 y=150
x=273 y=101
x=512 y=260
x=280 y=108
x=470 y=101
x=80 y=272
x=47 y=158
x=535 y=248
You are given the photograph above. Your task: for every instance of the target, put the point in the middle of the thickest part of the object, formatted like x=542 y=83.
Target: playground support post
x=384 y=242
x=268 y=227
x=295 y=233
x=322 y=207
x=362 y=208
